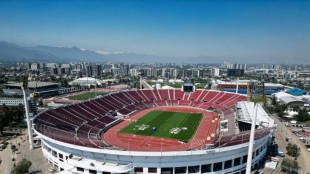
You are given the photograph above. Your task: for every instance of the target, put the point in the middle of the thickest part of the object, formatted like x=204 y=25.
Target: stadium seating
x=81 y=123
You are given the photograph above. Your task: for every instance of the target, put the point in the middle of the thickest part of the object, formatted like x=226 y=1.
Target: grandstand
x=270 y=88
x=85 y=136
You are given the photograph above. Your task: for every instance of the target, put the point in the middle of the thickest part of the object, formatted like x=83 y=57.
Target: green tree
x=41 y=103
x=10 y=114
x=22 y=167
x=290 y=166
x=293 y=150
x=295 y=108
x=303 y=115
x=273 y=101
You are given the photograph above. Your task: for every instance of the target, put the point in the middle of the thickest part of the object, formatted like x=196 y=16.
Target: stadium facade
x=83 y=138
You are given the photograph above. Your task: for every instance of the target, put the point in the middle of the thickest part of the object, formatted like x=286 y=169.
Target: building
x=270 y=88
x=85 y=81
x=15 y=88
x=96 y=70
x=195 y=73
x=53 y=70
x=11 y=101
x=173 y=73
x=289 y=100
x=151 y=73
x=60 y=71
x=28 y=66
x=215 y=72
x=133 y=72
x=119 y=72
x=164 y=73
x=35 y=66
x=20 y=101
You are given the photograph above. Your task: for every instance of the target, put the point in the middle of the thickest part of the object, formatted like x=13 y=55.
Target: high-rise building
x=96 y=70
x=173 y=73
x=195 y=73
x=35 y=66
x=215 y=72
x=53 y=70
x=151 y=72
x=133 y=72
x=163 y=72
x=28 y=66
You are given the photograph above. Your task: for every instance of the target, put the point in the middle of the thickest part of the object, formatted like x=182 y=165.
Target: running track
x=205 y=134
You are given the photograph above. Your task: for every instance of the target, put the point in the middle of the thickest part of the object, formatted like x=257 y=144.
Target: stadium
x=166 y=131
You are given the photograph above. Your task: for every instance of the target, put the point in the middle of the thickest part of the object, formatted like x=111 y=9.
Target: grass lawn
x=163 y=122
x=85 y=96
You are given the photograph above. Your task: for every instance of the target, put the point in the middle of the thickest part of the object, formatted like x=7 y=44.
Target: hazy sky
x=235 y=30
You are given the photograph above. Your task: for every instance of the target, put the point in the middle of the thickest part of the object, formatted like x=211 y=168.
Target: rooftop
x=33 y=84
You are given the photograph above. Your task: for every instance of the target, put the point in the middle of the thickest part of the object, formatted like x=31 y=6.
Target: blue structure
x=267 y=92
x=154 y=129
x=297 y=92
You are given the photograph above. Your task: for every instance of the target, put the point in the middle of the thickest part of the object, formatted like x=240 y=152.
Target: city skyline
x=232 y=31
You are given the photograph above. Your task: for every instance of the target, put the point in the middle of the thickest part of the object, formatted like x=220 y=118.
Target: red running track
x=205 y=133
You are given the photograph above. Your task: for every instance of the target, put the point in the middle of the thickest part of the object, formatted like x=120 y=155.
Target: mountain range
x=10 y=52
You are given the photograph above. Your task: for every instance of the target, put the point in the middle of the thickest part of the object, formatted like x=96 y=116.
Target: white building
x=11 y=101
x=215 y=72
x=133 y=72
x=85 y=81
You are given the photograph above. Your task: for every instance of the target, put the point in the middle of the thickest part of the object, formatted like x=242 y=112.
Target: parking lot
x=286 y=134
x=39 y=163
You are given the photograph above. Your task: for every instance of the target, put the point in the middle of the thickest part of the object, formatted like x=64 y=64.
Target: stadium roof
x=85 y=81
x=245 y=113
x=290 y=99
x=33 y=84
x=296 y=91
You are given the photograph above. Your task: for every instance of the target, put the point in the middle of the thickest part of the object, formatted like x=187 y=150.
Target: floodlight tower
x=24 y=88
x=256 y=94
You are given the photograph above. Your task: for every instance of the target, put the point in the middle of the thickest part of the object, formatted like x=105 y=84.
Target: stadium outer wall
x=75 y=159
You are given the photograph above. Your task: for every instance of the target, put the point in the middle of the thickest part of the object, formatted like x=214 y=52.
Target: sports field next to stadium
x=85 y=96
x=173 y=125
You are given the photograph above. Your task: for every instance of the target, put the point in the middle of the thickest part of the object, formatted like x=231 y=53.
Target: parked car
x=282 y=154
x=13 y=146
x=308 y=148
x=5 y=143
x=303 y=140
x=2 y=147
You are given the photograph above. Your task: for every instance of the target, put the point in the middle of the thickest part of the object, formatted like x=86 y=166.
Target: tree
x=296 y=108
x=303 y=115
x=273 y=101
x=293 y=150
x=281 y=114
x=22 y=167
x=10 y=114
x=41 y=103
x=290 y=166
x=4 y=119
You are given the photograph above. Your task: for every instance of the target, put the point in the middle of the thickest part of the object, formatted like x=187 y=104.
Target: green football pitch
x=184 y=125
x=85 y=96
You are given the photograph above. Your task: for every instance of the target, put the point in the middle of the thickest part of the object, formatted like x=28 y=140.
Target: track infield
x=172 y=125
